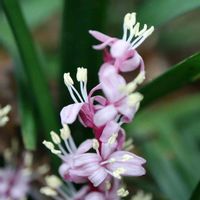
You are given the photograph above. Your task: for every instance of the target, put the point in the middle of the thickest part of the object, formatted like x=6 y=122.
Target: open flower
x=80 y=165
x=83 y=102
x=122 y=53
x=121 y=101
x=108 y=161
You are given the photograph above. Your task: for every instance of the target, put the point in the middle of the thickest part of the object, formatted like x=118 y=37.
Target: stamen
x=53 y=181
x=48 y=191
x=122 y=192
x=141 y=38
x=134 y=30
x=126 y=157
x=81 y=74
x=55 y=138
x=112 y=138
x=65 y=132
x=95 y=144
x=51 y=147
x=117 y=173
x=134 y=99
x=68 y=80
x=108 y=185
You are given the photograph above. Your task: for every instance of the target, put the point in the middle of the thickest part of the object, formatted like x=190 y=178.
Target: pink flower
x=83 y=102
x=108 y=161
x=121 y=102
x=14 y=184
x=122 y=53
x=80 y=165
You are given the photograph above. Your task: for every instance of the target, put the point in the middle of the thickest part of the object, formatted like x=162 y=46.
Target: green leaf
x=196 y=193
x=31 y=65
x=28 y=123
x=176 y=77
x=158 y=12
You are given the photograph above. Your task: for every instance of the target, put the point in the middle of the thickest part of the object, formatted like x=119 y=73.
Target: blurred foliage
x=169 y=138
x=159 y=12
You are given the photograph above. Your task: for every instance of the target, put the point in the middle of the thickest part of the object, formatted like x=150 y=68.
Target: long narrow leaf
x=176 y=77
x=31 y=65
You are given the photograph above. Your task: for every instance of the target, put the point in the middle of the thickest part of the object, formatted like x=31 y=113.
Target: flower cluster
x=16 y=178
x=104 y=160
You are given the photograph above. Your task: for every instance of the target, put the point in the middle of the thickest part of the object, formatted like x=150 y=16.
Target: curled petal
x=106 y=40
x=111 y=83
x=110 y=128
x=119 y=48
x=85 y=146
x=131 y=64
x=105 y=115
x=99 y=36
x=69 y=113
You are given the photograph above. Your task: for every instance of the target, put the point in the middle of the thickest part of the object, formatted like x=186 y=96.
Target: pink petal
x=106 y=40
x=99 y=36
x=111 y=83
x=131 y=64
x=98 y=176
x=84 y=147
x=119 y=48
x=130 y=169
x=105 y=115
x=69 y=113
x=86 y=158
x=86 y=115
x=136 y=159
x=110 y=128
x=95 y=196
x=107 y=149
x=127 y=111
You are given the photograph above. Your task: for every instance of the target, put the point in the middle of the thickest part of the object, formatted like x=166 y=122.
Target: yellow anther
x=48 y=191
x=112 y=138
x=126 y=157
x=95 y=144
x=118 y=172
x=67 y=79
x=53 y=181
x=65 y=132
x=81 y=74
x=134 y=99
x=55 y=138
x=122 y=192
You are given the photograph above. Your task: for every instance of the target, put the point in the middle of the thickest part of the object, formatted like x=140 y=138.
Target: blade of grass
x=31 y=64
x=176 y=77
x=158 y=12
